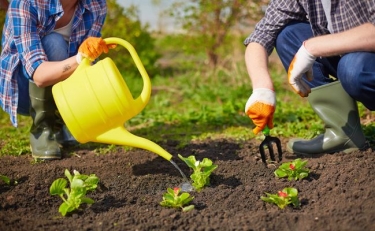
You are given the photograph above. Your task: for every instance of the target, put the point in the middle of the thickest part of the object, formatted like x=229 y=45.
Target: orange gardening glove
x=260 y=107
x=300 y=67
x=92 y=48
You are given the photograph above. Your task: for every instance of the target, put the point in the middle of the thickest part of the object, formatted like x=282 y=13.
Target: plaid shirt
x=345 y=14
x=27 y=22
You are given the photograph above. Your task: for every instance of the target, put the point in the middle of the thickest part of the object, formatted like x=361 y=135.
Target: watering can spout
x=120 y=136
x=95 y=102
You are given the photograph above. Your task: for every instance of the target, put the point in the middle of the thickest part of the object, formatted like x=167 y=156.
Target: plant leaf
x=185 y=198
x=91 y=183
x=170 y=191
x=302 y=175
x=280 y=173
x=64 y=209
x=206 y=162
x=168 y=197
x=57 y=187
x=292 y=192
x=209 y=169
x=5 y=179
x=76 y=183
x=68 y=175
x=87 y=200
x=188 y=208
x=190 y=161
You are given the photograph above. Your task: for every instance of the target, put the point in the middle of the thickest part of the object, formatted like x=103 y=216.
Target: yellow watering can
x=95 y=102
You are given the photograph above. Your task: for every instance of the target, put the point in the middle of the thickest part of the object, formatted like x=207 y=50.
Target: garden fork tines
x=270 y=142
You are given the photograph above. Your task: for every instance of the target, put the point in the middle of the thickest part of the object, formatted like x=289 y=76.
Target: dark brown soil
x=338 y=194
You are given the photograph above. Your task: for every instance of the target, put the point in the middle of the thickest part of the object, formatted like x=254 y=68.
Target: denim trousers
x=56 y=49
x=355 y=71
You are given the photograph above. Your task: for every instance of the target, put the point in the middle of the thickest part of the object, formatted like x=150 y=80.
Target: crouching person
x=42 y=44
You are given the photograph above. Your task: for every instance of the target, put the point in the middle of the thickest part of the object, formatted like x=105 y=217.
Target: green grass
x=14 y=141
x=197 y=106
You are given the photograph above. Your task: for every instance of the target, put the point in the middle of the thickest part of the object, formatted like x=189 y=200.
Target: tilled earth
x=338 y=194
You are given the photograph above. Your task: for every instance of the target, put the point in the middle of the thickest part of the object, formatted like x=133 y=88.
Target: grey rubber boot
x=343 y=130
x=42 y=135
x=63 y=135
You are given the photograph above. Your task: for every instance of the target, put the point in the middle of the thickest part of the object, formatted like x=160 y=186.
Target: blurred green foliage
x=208 y=25
x=125 y=24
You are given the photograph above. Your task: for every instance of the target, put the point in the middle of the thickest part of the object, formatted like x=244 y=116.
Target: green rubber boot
x=339 y=112
x=42 y=135
x=63 y=135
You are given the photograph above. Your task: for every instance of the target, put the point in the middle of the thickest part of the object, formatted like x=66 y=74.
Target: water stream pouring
x=95 y=103
x=186 y=186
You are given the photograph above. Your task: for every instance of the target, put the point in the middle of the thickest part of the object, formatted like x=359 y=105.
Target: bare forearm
x=49 y=73
x=256 y=58
x=360 y=38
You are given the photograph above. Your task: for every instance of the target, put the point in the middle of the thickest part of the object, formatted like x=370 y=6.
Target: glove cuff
x=79 y=57
x=306 y=52
x=264 y=95
x=264 y=90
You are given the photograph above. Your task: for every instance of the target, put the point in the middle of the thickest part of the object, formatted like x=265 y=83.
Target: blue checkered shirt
x=345 y=14
x=26 y=23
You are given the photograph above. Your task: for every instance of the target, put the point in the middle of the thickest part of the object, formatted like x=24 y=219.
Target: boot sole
x=46 y=157
x=346 y=151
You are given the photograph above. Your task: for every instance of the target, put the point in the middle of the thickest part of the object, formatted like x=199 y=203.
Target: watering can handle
x=146 y=92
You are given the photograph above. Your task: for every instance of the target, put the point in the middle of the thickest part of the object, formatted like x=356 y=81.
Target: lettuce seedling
x=174 y=199
x=293 y=170
x=201 y=171
x=283 y=198
x=75 y=195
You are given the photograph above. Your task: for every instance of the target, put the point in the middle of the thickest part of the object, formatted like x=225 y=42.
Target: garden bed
x=337 y=195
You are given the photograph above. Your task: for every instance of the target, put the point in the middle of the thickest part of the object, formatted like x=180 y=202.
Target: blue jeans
x=56 y=49
x=356 y=71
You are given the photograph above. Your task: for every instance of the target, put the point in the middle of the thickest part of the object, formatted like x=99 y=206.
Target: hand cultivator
x=269 y=142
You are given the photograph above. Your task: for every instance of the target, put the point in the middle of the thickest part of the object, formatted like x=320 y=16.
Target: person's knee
x=55 y=46
x=356 y=71
x=293 y=34
x=53 y=39
x=284 y=39
x=289 y=40
x=348 y=71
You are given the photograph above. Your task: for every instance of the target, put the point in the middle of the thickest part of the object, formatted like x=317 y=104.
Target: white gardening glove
x=301 y=64
x=260 y=107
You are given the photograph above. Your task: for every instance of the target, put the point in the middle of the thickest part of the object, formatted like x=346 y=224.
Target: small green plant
x=75 y=195
x=293 y=170
x=283 y=198
x=5 y=179
x=173 y=199
x=201 y=171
